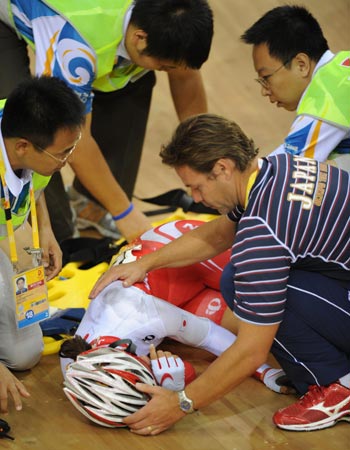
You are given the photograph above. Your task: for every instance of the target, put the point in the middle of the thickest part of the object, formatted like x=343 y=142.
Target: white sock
x=218 y=339
x=345 y=380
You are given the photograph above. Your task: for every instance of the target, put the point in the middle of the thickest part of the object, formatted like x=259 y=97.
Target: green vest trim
x=18 y=218
x=328 y=95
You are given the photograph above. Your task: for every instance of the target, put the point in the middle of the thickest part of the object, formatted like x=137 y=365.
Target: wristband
x=124 y=213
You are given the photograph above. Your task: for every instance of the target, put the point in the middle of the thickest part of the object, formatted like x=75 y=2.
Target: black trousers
x=312 y=343
x=119 y=121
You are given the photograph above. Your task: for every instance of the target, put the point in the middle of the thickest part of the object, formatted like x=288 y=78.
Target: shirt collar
x=325 y=58
x=121 y=50
x=251 y=181
x=14 y=183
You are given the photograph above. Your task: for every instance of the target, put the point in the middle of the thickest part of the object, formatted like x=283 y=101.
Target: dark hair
x=38 y=107
x=20 y=279
x=200 y=141
x=288 y=30
x=177 y=30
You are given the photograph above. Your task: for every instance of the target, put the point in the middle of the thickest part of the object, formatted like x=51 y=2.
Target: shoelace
x=314 y=395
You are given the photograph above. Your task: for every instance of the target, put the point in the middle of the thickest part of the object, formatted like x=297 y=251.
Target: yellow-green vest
x=100 y=24
x=21 y=215
x=328 y=95
x=328 y=98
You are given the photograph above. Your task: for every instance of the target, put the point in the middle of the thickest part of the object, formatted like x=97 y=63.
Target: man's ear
x=139 y=39
x=22 y=146
x=303 y=64
x=223 y=166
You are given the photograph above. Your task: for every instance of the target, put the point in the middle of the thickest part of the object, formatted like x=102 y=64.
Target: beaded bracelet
x=124 y=213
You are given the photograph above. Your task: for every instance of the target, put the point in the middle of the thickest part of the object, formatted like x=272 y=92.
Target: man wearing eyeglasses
x=297 y=72
x=40 y=126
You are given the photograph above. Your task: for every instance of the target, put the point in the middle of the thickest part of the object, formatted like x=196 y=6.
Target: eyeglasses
x=264 y=81
x=60 y=160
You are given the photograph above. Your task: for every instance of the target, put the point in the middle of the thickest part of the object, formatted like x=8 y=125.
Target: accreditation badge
x=30 y=292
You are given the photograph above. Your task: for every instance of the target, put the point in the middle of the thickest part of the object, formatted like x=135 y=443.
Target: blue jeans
x=312 y=344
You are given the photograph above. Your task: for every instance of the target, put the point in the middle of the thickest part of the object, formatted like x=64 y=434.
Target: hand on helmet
x=168 y=369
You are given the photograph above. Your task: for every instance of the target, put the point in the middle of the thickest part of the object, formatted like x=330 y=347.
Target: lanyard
x=6 y=204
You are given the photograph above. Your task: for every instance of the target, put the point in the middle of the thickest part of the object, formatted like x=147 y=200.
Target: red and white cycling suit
x=168 y=303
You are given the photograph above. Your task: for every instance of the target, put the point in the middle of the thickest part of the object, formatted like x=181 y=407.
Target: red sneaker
x=321 y=407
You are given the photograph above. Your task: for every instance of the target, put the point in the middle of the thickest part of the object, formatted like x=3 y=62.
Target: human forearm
x=52 y=253
x=197 y=245
x=231 y=368
x=188 y=93
x=94 y=173
x=239 y=361
x=42 y=213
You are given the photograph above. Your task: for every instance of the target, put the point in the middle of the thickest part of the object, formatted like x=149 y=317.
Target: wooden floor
x=241 y=420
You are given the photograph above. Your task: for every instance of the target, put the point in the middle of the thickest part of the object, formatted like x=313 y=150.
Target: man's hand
x=52 y=253
x=129 y=273
x=160 y=413
x=10 y=386
x=133 y=225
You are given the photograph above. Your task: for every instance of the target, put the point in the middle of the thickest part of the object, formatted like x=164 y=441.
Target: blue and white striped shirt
x=297 y=217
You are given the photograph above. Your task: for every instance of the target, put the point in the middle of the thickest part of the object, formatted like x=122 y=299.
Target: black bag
x=89 y=251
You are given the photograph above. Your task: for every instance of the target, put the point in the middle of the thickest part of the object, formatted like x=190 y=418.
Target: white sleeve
x=312 y=138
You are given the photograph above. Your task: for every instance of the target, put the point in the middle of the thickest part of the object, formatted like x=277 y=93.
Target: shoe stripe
x=320 y=425
x=330 y=410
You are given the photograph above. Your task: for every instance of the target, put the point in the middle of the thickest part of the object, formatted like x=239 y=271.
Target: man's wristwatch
x=185 y=403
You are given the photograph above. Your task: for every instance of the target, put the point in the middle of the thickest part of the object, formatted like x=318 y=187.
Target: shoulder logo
x=346 y=62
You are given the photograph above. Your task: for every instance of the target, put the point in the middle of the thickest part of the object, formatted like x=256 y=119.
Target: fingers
x=287 y=390
x=14 y=389
x=152 y=352
x=3 y=400
x=104 y=280
x=156 y=354
x=149 y=430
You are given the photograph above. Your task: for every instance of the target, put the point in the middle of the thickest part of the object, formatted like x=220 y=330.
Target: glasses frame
x=60 y=160
x=264 y=81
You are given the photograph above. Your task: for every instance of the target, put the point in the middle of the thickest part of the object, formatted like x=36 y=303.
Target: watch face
x=185 y=405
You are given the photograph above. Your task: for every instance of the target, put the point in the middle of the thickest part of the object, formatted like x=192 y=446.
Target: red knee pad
x=208 y=303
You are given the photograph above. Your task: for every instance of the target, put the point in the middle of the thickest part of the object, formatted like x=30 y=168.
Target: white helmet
x=101 y=385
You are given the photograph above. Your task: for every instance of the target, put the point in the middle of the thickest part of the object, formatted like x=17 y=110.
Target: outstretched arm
x=200 y=244
x=188 y=94
x=93 y=172
x=52 y=254
x=238 y=362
